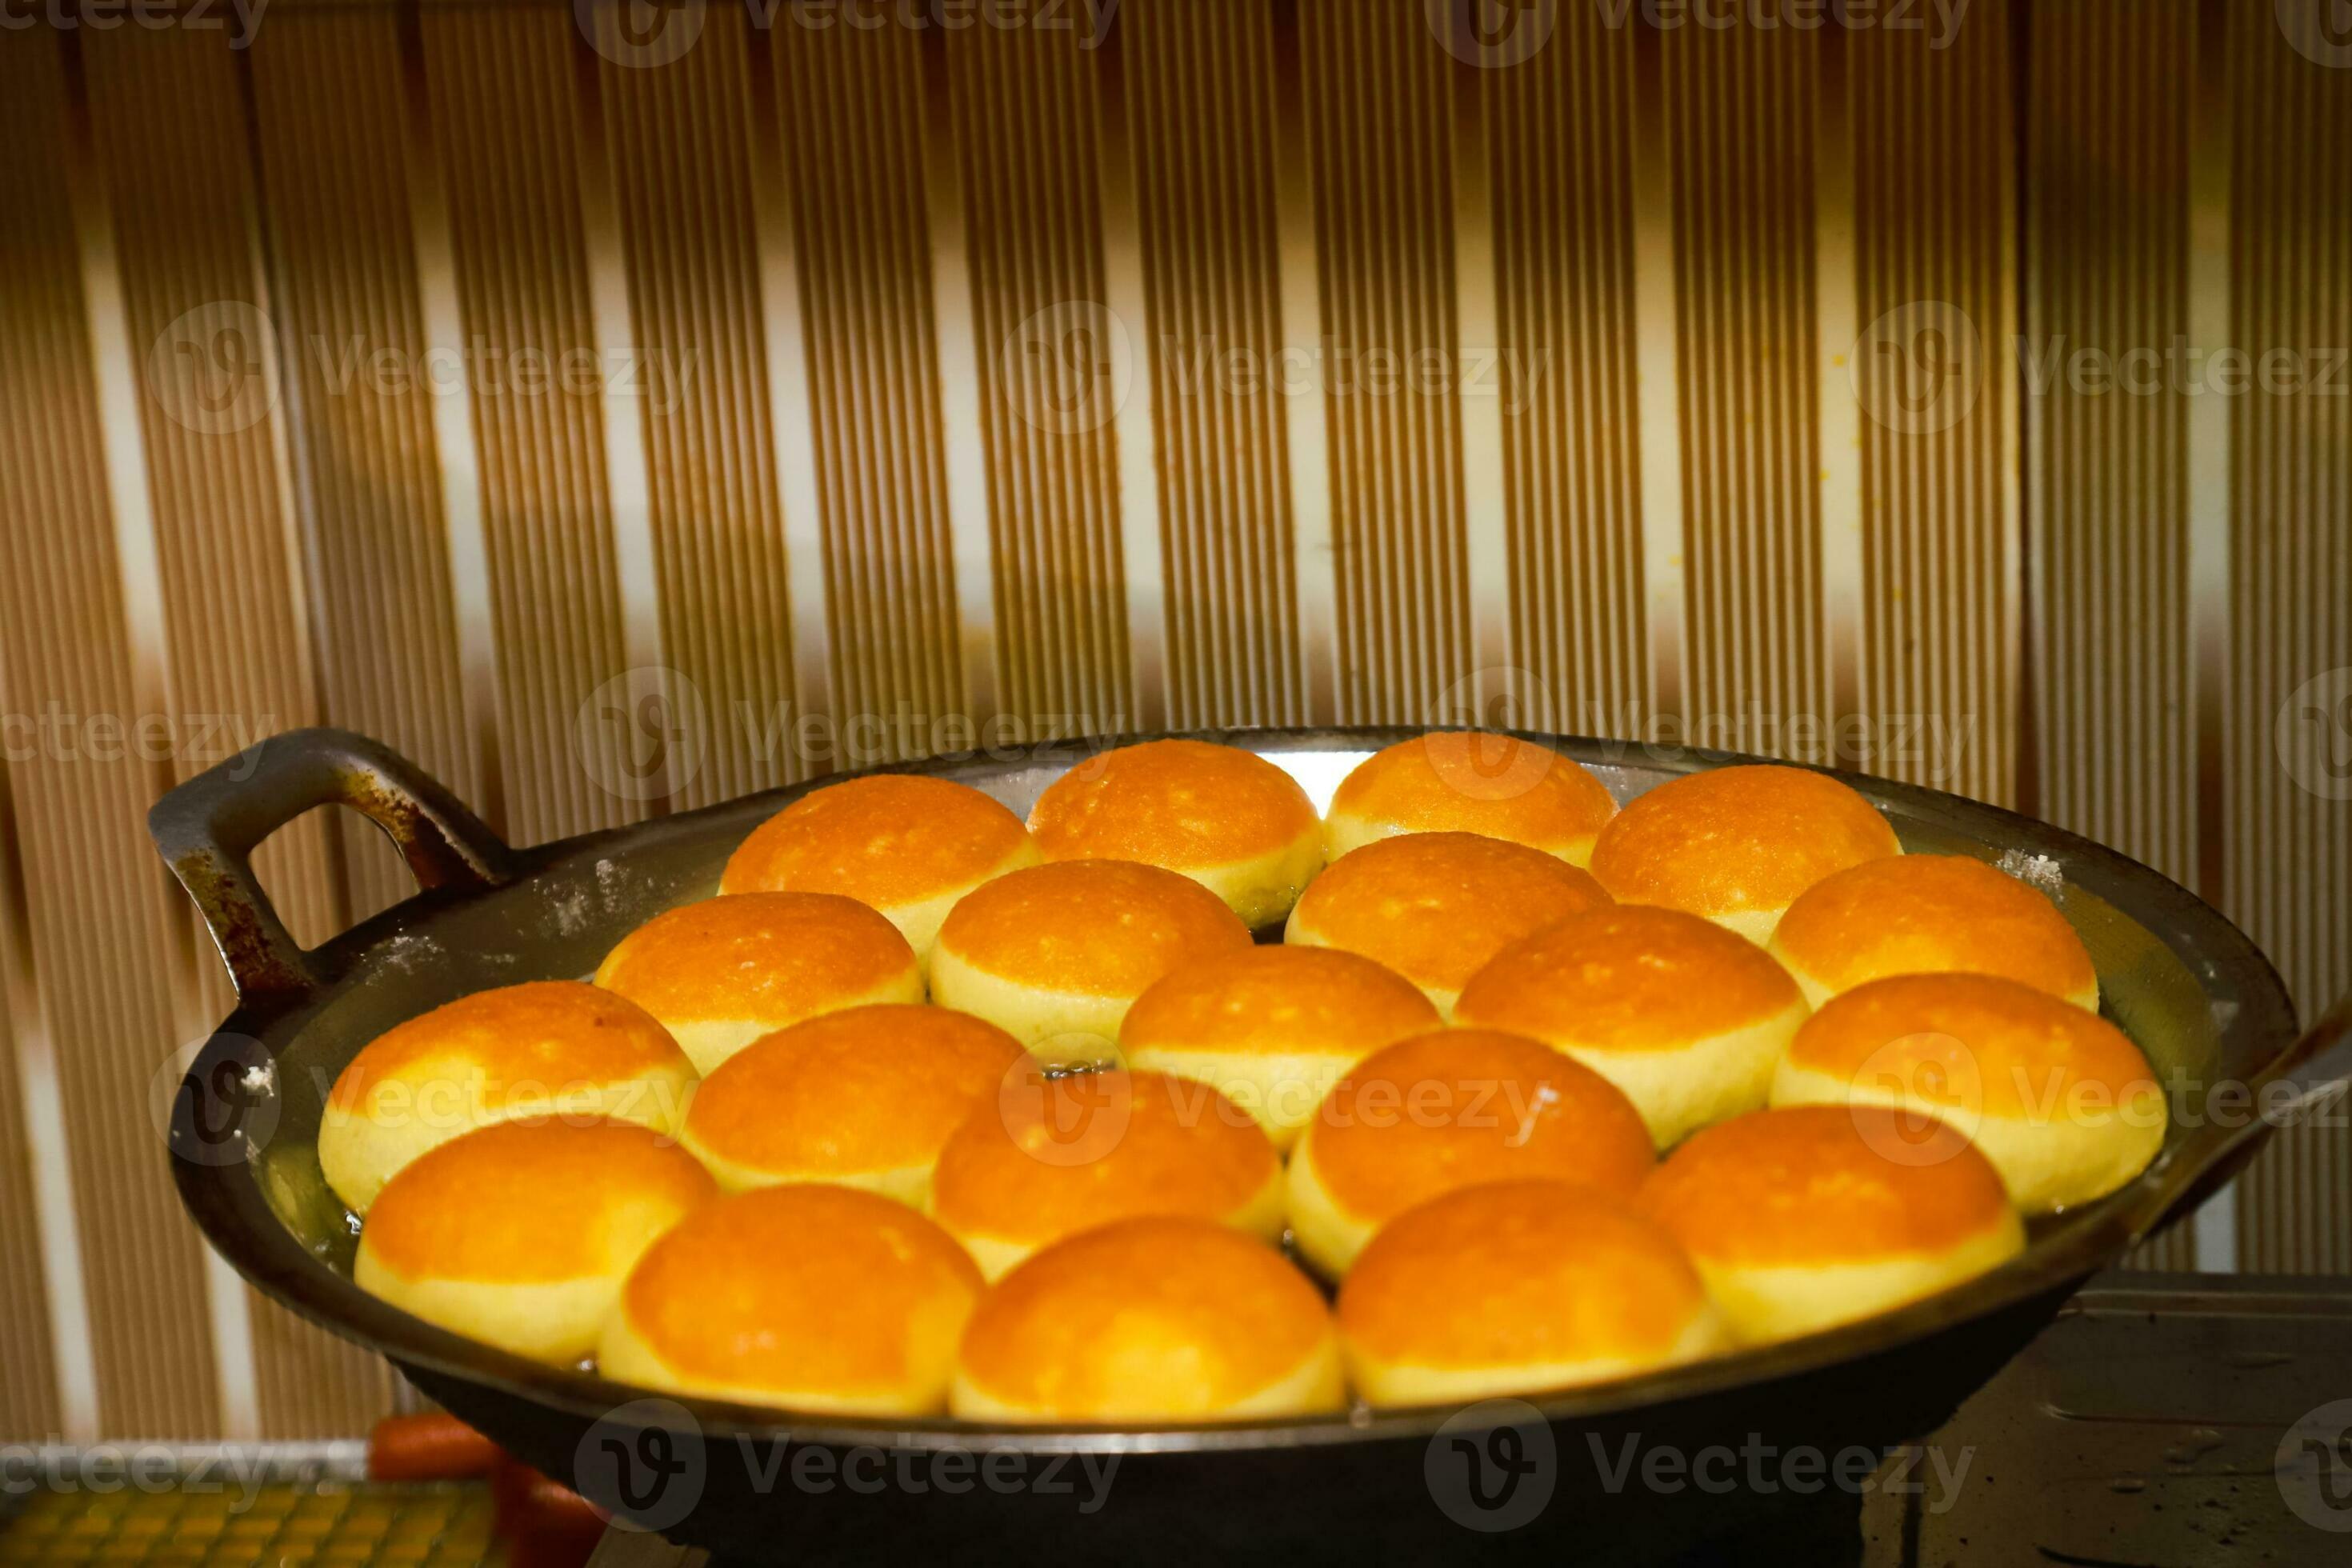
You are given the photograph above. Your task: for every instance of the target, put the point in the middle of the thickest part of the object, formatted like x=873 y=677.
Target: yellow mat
x=267 y=1526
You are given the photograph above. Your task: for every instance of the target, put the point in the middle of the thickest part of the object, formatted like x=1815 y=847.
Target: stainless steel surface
x=2143 y=1427
x=2161 y=1419
x=2202 y=1002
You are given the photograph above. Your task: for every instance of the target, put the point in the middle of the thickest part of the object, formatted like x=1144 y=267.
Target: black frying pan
x=2187 y=986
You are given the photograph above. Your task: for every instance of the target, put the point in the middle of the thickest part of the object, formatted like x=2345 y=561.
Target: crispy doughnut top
x=1917 y=914
x=1191 y=1315
x=1972 y=1041
x=1455 y=1106
x=1434 y=907
x=867 y=1089
x=532 y=1202
x=1519 y=1273
x=1279 y=1000
x=1727 y=840
x=1185 y=804
x=1630 y=977
x=1824 y=1183
x=885 y=839
x=1105 y=928
x=1056 y=1154
x=1467 y=781
x=755 y=955
x=806 y=1288
x=539 y=1037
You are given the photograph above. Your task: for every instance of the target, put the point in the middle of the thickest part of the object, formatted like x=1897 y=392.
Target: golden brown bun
x=1434 y=907
x=724 y=972
x=1687 y=1018
x=865 y=1097
x=1513 y=1288
x=1054 y=1155
x=2058 y=1099
x=1802 y=1218
x=1925 y=914
x=904 y=843
x=1737 y=845
x=1465 y=781
x=1227 y=818
x=1451 y=1108
x=810 y=1297
x=548 y=1047
x=519 y=1234
x=1149 y=1320
x=1273 y=1028
x=1055 y=955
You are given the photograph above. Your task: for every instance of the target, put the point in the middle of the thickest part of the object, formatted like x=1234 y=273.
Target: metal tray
x=2197 y=995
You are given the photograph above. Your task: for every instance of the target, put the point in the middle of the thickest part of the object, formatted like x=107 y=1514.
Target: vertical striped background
x=870 y=389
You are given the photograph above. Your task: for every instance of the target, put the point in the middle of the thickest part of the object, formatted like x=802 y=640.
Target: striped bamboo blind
x=621 y=406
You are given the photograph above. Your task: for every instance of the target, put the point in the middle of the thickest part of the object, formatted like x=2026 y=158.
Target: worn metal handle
x=207 y=829
x=2308 y=1076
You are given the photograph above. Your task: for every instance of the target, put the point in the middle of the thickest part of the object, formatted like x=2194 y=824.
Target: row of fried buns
x=751 y=1162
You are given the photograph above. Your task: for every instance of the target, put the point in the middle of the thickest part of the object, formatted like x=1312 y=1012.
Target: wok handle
x=207 y=829
x=2309 y=1076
